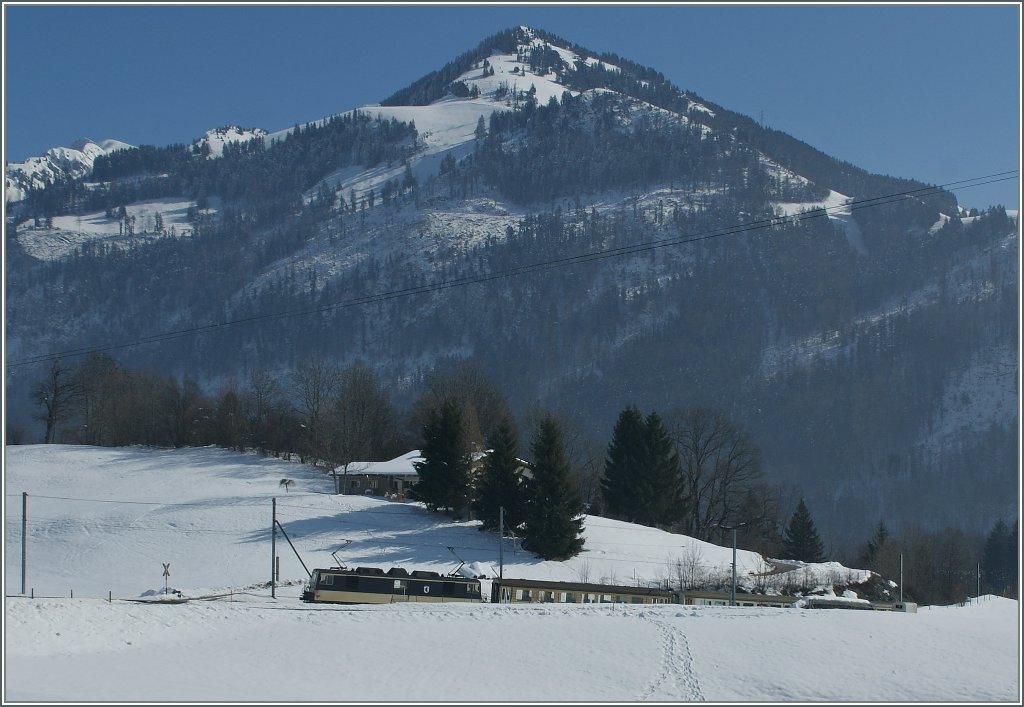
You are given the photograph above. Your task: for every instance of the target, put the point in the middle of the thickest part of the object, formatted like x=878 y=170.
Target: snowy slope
x=57 y=163
x=207 y=513
x=212 y=143
x=68 y=233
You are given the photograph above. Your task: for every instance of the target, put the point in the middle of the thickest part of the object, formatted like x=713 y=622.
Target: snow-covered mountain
x=58 y=163
x=705 y=260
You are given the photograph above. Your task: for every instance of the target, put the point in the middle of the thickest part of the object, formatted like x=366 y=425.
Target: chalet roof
x=399 y=466
x=403 y=465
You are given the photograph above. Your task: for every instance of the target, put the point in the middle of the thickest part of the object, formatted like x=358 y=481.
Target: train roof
x=741 y=596
x=394 y=572
x=582 y=587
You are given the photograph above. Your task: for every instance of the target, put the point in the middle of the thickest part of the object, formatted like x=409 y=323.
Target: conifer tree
x=801 y=540
x=660 y=494
x=501 y=485
x=444 y=472
x=554 y=515
x=625 y=455
x=875 y=543
x=641 y=481
x=999 y=558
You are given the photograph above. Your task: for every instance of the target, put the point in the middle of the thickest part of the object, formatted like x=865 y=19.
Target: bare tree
x=56 y=393
x=94 y=378
x=263 y=397
x=229 y=419
x=481 y=403
x=363 y=422
x=719 y=463
x=315 y=384
x=187 y=412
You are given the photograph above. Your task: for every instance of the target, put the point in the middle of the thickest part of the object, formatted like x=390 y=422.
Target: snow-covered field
x=70 y=232
x=105 y=520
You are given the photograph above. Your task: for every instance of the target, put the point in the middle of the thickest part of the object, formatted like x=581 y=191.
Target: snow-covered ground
x=106 y=520
x=71 y=232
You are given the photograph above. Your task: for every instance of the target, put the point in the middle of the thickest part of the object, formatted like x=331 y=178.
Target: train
x=373 y=585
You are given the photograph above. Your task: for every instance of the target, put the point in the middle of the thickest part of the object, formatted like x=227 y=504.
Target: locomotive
x=372 y=585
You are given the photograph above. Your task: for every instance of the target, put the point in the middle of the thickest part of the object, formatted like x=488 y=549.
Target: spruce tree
x=801 y=540
x=554 y=515
x=625 y=456
x=875 y=544
x=444 y=472
x=660 y=490
x=642 y=482
x=999 y=558
x=501 y=485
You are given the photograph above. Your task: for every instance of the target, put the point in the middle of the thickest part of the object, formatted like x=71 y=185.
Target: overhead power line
x=533 y=267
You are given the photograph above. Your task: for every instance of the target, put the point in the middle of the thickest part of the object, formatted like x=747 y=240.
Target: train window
x=637 y=600
x=547 y=596
x=570 y=597
x=524 y=595
x=606 y=598
x=326 y=580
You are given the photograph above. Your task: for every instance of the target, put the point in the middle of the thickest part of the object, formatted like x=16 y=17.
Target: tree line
x=694 y=472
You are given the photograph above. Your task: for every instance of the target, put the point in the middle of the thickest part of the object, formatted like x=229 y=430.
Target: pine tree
x=625 y=455
x=444 y=472
x=801 y=540
x=554 y=515
x=875 y=544
x=999 y=558
x=660 y=494
x=641 y=481
x=501 y=485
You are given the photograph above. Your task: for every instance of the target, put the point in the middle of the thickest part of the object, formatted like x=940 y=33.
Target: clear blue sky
x=927 y=92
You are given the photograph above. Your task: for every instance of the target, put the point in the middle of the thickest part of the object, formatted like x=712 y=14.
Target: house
x=392 y=478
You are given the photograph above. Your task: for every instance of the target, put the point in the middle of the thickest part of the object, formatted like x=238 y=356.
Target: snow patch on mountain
x=974 y=398
x=838 y=207
x=57 y=163
x=67 y=234
x=212 y=144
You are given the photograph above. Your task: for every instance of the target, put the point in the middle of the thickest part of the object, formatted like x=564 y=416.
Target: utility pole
x=24 y=537
x=273 y=548
x=901 y=578
x=979 y=581
x=501 y=546
x=732 y=591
